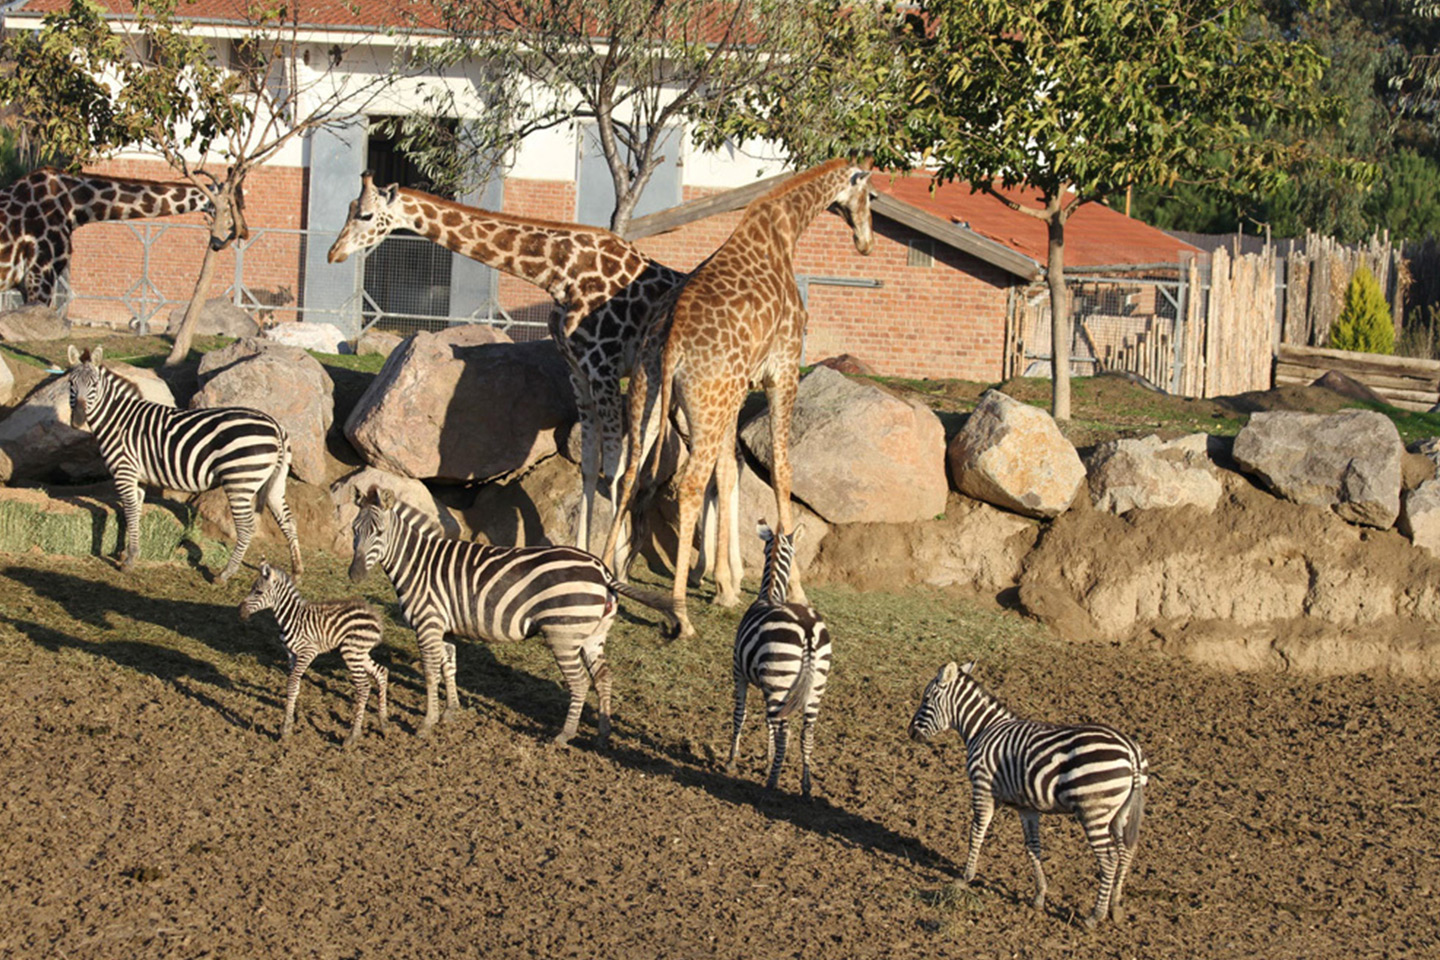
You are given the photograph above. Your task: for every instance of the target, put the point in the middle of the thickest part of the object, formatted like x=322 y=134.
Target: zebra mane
x=124 y=384
x=412 y=516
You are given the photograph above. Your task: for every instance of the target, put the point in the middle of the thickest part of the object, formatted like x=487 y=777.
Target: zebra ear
x=264 y=569
x=763 y=531
x=74 y=354
x=795 y=534
x=948 y=673
x=386 y=498
x=967 y=668
x=97 y=354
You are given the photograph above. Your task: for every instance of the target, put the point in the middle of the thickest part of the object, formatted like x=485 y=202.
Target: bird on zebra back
x=784 y=649
x=243 y=451
x=1089 y=770
x=562 y=595
x=310 y=629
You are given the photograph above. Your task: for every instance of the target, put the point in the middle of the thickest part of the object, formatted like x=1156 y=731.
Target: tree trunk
x=186 y=332
x=1059 y=320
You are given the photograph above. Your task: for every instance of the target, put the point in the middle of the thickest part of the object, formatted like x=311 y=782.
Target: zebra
x=310 y=629
x=784 y=649
x=1090 y=770
x=563 y=595
x=245 y=452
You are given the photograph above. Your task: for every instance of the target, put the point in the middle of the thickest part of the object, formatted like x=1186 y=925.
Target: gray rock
x=283 y=381
x=1012 y=455
x=1348 y=461
x=218 y=318
x=320 y=337
x=37 y=441
x=1420 y=516
x=859 y=454
x=377 y=343
x=463 y=405
x=33 y=323
x=7 y=382
x=1149 y=473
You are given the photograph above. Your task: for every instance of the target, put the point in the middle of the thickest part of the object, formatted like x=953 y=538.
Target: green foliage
x=1406 y=201
x=1364 y=324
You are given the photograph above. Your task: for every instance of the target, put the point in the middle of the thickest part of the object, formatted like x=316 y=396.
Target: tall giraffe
x=606 y=293
x=40 y=211
x=738 y=319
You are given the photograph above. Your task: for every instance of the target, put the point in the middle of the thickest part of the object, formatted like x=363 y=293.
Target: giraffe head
x=374 y=215
x=853 y=205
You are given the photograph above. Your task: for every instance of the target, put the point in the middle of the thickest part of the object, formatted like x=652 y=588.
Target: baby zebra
x=784 y=649
x=1090 y=770
x=564 y=596
x=310 y=629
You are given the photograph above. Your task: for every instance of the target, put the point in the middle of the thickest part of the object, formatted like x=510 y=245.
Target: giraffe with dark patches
x=40 y=212
x=738 y=320
x=607 y=295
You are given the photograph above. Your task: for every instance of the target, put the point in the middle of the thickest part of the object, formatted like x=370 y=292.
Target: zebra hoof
x=285 y=733
x=350 y=742
x=1039 y=902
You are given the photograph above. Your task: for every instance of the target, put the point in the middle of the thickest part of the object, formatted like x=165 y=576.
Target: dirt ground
x=148 y=809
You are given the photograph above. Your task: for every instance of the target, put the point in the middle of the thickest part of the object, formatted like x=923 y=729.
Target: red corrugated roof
x=1095 y=235
x=334 y=14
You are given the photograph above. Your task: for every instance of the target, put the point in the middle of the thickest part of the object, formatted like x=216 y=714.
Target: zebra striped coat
x=310 y=629
x=243 y=451
x=563 y=595
x=1090 y=770
x=784 y=649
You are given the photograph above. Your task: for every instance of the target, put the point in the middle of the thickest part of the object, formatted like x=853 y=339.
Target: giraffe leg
x=780 y=393
x=640 y=404
x=692 y=489
x=1030 y=823
x=727 y=593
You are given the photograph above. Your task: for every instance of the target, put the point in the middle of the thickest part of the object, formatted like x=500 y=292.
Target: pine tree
x=1364 y=324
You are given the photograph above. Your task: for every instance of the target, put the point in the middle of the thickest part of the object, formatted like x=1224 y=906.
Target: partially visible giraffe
x=606 y=295
x=738 y=320
x=40 y=211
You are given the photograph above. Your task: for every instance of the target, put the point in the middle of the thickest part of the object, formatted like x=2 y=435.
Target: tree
x=1364 y=324
x=1082 y=98
x=637 y=68
x=154 y=84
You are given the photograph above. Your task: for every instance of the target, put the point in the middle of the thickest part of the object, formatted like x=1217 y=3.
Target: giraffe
x=40 y=211
x=606 y=293
x=737 y=320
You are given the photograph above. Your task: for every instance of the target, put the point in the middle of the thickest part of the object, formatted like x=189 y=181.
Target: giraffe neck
x=93 y=199
x=789 y=208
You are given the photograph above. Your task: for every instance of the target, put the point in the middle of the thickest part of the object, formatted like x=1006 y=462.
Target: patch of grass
x=368 y=363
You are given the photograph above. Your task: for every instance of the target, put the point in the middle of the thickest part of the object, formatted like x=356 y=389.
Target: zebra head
x=374 y=215
x=372 y=530
x=779 y=555
x=86 y=382
x=941 y=706
x=853 y=205
x=262 y=594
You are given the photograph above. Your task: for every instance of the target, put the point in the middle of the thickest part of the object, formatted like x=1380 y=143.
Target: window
x=920 y=253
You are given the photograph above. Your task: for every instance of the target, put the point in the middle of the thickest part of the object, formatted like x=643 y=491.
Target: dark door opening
x=407 y=278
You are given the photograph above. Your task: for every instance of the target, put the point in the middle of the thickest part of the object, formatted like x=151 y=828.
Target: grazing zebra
x=244 y=451
x=310 y=629
x=1092 y=771
x=563 y=595
x=784 y=649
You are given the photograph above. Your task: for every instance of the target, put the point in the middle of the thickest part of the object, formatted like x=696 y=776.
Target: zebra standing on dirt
x=563 y=595
x=1092 y=771
x=246 y=452
x=784 y=649
x=310 y=629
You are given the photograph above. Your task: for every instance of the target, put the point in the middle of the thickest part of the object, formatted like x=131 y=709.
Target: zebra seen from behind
x=245 y=452
x=784 y=649
x=310 y=629
x=1090 y=770
x=562 y=595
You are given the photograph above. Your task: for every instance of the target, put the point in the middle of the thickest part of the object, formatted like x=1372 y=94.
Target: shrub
x=1364 y=324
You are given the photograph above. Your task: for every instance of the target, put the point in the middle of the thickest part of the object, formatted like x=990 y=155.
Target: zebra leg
x=577 y=679
x=983 y=805
x=298 y=666
x=807 y=741
x=593 y=653
x=1126 y=854
x=131 y=500
x=1109 y=858
x=432 y=655
x=779 y=735
x=1030 y=821
x=280 y=510
x=242 y=510
x=741 y=690
x=447 y=672
x=382 y=688
x=360 y=679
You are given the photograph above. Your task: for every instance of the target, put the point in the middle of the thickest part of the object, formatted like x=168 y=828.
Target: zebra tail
x=1125 y=828
x=651 y=599
x=281 y=471
x=799 y=694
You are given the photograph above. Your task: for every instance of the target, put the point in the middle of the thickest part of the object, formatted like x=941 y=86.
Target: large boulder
x=406 y=489
x=320 y=337
x=464 y=405
x=1151 y=473
x=1349 y=461
x=859 y=454
x=38 y=443
x=377 y=343
x=285 y=382
x=1420 y=516
x=218 y=317
x=1012 y=455
x=33 y=323
x=7 y=382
